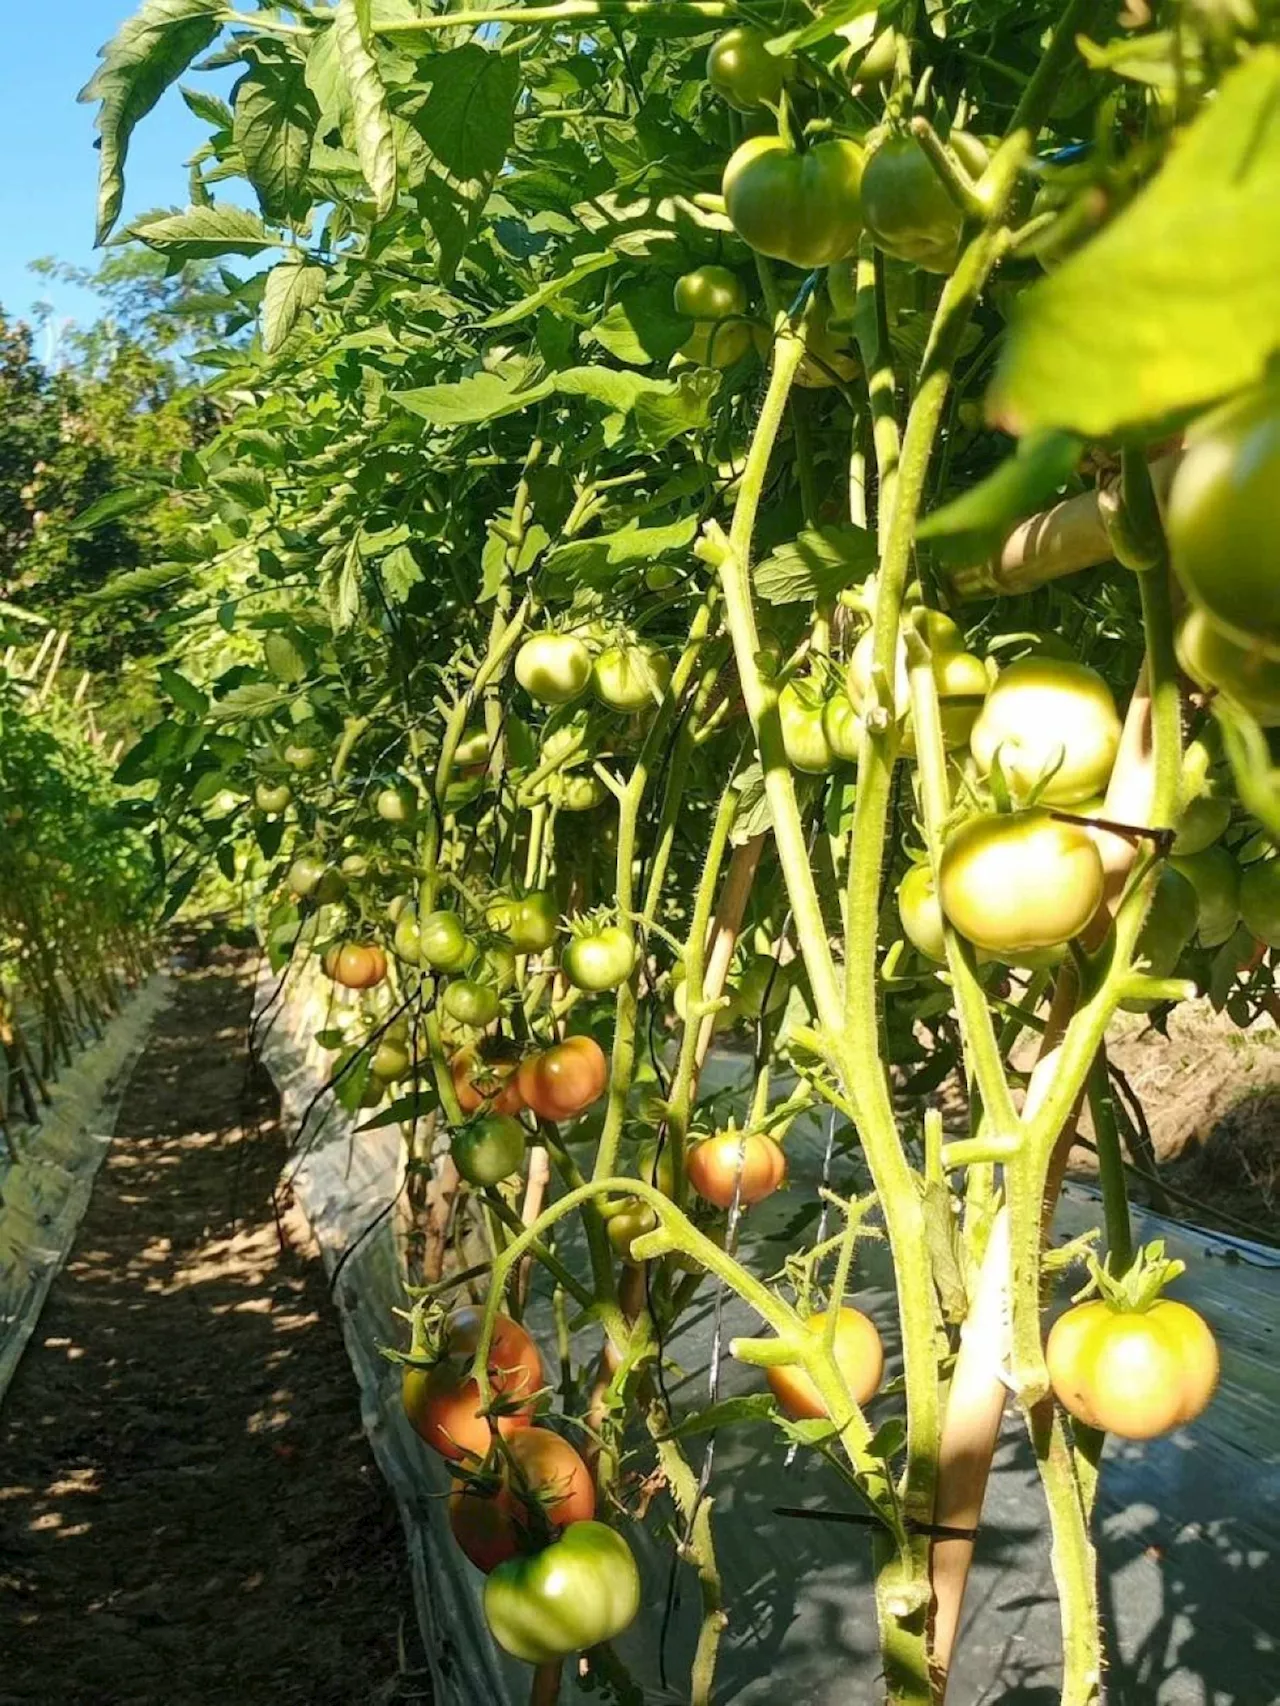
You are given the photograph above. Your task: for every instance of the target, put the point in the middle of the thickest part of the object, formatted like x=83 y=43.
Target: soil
x=189 y=1510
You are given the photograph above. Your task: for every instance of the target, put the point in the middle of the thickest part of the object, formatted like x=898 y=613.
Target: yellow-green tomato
x=800 y=708
x=599 y=960
x=630 y=678
x=921 y=913
x=553 y=668
x=390 y=1059
x=628 y=1219
x=1249 y=675
x=802 y=208
x=581 y=1590
x=1020 y=881
x=709 y=293
x=472 y=749
x=1215 y=876
x=272 y=798
x=1260 y=901
x=300 y=757
x=743 y=72
x=842 y=727
x=394 y=805
x=442 y=943
x=489 y=1149
x=1049 y=721
x=717 y=343
x=1135 y=1373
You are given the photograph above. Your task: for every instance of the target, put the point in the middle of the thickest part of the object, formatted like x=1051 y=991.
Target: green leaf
x=374 y=138
x=135 y=766
x=136 y=583
x=209 y=108
x=546 y=293
x=400 y=573
x=185 y=694
x=888 y=1439
x=817 y=565
x=975 y=524
x=250 y=700
x=205 y=233
x=751 y=1407
x=290 y=288
x=403 y=1111
x=468 y=119
x=113 y=505
x=275 y=118
x=588 y=560
x=482 y=397
x=1174 y=304
x=148 y=53
x=828 y=22
x=641 y=325
x=667 y=408
x=328 y=83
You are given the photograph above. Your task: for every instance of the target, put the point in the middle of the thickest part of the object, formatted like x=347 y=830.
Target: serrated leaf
x=204 y=233
x=374 y=137
x=829 y=22
x=127 y=501
x=185 y=694
x=888 y=1439
x=250 y=700
x=752 y=1407
x=481 y=397
x=588 y=560
x=753 y=816
x=208 y=107
x=641 y=326
x=1174 y=304
x=290 y=288
x=976 y=523
x=147 y=54
x=327 y=83
x=468 y=119
x=136 y=583
x=275 y=119
x=818 y=564
x=547 y=293
x=137 y=762
x=400 y=573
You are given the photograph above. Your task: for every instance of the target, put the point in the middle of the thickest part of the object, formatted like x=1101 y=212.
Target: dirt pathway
x=189 y=1513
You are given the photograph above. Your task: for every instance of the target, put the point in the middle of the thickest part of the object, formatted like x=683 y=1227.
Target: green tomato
x=1020 y=881
x=533 y=924
x=743 y=72
x=628 y=1218
x=661 y=577
x=1215 y=876
x=553 y=668
x=1203 y=821
x=394 y=805
x=581 y=1590
x=921 y=914
x=272 y=798
x=305 y=875
x=470 y=1003
x=1260 y=901
x=1166 y=930
x=842 y=727
x=717 y=343
x=355 y=865
x=907 y=211
x=407 y=939
x=299 y=757
x=496 y=965
x=1224 y=519
x=656 y=1165
x=489 y=1150
x=580 y=793
x=600 y=960
x=800 y=711
x=472 y=749
x=878 y=62
x=802 y=208
x=1248 y=675
x=443 y=944
x=709 y=293
x=1044 y=712
x=390 y=1059
x=630 y=678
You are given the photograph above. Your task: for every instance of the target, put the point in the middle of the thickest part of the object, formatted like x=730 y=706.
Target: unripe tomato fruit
x=709 y=293
x=1040 y=711
x=299 y=757
x=1215 y=876
x=553 y=668
x=829 y=355
x=907 y=211
x=442 y=1403
x=472 y=749
x=359 y=965
x=800 y=712
x=563 y=1081
x=311 y=878
x=1015 y=882
x=842 y=727
x=272 y=798
x=599 y=961
x=355 y=865
x=489 y=1150
x=581 y=1590
x=390 y=1060
x=1202 y=822
x=493 y=1524
x=579 y=792
x=921 y=913
x=1260 y=901
x=713 y=1167
x=529 y=922
x=443 y=944
x=394 y=805
x=859 y=1356
x=1132 y=1373
x=470 y=1003
x=743 y=72
x=629 y=1219
x=630 y=678
x=479 y=1082
x=1224 y=518
x=1215 y=660
x=407 y=939
x=802 y=208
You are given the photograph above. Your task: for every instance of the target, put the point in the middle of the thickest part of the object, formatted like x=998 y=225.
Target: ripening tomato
x=394 y=805
x=486 y=1080
x=359 y=965
x=272 y=798
x=443 y=943
x=628 y=1219
x=597 y=960
x=578 y=792
x=471 y=1003
x=563 y=1081
x=495 y=1516
x=581 y=1590
x=442 y=1402
x=921 y=913
x=749 y=1162
x=859 y=1357
x=802 y=208
x=1260 y=901
x=553 y=668
x=630 y=678
x=1224 y=518
x=800 y=711
x=743 y=72
x=1215 y=876
x=1044 y=713
x=472 y=749
x=489 y=1150
x=1215 y=660
x=1136 y=1373
x=1021 y=881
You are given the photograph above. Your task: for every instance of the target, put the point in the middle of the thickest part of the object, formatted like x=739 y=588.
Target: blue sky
x=48 y=167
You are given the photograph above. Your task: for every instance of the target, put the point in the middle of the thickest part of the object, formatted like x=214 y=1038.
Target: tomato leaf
x=752 y=1407
x=204 y=233
x=403 y=1111
x=1189 y=275
x=818 y=564
x=375 y=139
x=275 y=118
x=290 y=288
x=185 y=695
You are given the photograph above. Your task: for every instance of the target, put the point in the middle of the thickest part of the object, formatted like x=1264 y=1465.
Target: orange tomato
x=484 y=1082
x=356 y=965
x=713 y=1164
x=859 y=1357
x=492 y=1521
x=442 y=1402
x=561 y=1082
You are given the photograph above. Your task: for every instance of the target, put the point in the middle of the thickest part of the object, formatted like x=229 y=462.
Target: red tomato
x=442 y=1402
x=491 y=1519
x=563 y=1081
x=713 y=1167
x=480 y=1082
x=859 y=1357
